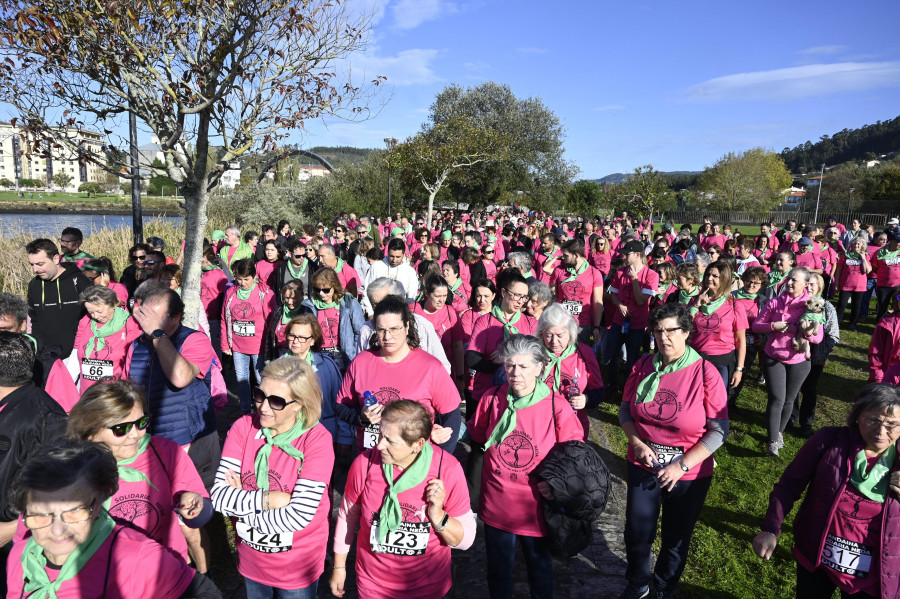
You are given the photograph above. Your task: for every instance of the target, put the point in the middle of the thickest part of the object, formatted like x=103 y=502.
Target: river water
x=52 y=223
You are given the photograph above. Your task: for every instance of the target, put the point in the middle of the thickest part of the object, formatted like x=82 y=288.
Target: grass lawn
x=63 y=197
x=722 y=562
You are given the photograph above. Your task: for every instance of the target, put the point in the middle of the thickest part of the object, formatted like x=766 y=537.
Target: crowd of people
x=391 y=349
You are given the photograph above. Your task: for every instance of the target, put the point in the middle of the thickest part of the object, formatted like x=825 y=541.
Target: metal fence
x=754 y=218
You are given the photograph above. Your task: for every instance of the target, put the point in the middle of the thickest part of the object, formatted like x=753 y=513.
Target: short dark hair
x=42 y=245
x=157 y=256
x=268 y=229
x=16 y=359
x=476 y=285
x=393 y=304
x=414 y=419
x=250 y=235
x=74 y=232
x=680 y=313
x=243 y=268
x=875 y=396
x=14 y=306
x=375 y=253
x=574 y=246
x=396 y=244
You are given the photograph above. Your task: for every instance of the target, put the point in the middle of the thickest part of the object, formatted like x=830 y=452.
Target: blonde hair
x=303 y=383
x=104 y=404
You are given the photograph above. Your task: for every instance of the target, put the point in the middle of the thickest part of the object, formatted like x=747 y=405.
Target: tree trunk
x=431 y=206
x=194 y=227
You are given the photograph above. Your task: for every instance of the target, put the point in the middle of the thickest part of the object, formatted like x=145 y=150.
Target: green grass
x=81 y=198
x=722 y=562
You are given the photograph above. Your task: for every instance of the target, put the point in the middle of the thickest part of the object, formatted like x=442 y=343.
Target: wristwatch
x=158 y=334
x=740 y=369
x=440 y=527
x=684 y=467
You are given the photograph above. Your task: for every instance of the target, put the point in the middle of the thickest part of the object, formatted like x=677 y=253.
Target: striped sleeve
x=230 y=501
x=296 y=515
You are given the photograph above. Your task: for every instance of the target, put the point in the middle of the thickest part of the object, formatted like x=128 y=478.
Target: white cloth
x=428 y=339
x=405 y=274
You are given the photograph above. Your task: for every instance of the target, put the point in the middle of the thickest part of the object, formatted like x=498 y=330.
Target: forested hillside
x=867 y=142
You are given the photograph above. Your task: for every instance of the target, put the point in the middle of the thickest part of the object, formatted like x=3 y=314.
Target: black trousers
x=804 y=412
x=817 y=585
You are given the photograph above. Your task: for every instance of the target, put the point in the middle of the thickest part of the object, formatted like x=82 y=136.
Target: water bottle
x=572 y=391
x=369 y=399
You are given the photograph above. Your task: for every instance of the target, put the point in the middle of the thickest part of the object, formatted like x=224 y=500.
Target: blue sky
x=675 y=84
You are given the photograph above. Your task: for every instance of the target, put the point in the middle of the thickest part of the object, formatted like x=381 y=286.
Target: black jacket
x=29 y=419
x=282 y=276
x=54 y=309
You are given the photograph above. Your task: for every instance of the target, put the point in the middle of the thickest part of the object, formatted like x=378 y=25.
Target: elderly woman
x=339 y=315
x=395 y=367
x=100 y=271
x=539 y=297
x=103 y=338
x=411 y=503
x=573 y=371
x=784 y=367
x=517 y=423
x=290 y=307
x=73 y=548
x=846 y=532
x=158 y=482
x=275 y=470
x=674 y=413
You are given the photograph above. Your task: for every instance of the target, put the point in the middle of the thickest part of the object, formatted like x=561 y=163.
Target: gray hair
x=520 y=260
x=13 y=305
x=393 y=286
x=702 y=258
x=555 y=315
x=540 y=291
x=328 y=247
x=879 y=397
x=98 y=294
x=517 y=345
x=234 y=229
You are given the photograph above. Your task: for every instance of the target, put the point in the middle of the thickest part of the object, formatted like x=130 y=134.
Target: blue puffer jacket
x=181 y=415
x=351 y=322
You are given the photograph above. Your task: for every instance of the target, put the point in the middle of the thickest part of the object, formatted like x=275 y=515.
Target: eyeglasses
x=488 y=251
x=150 y=262
x=877 y=423
x=61 y=240
x=123 y=428
x=392 y=332
x=322 y=289
x=275 y=402
x=299 y=338
x=140 y=258
x=667 y=332
x=298 y=256
x=94 y=278
x=515 y=296
x=74 y=516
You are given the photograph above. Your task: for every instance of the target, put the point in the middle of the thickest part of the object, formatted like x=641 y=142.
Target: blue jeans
x=612 y=341
x=256 y=590
x=242 y=364
x=867 y=298
x=500 y=547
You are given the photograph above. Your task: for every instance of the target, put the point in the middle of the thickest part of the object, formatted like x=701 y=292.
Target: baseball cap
x=805 y=241
x=217 y=235
x=894 y=222
x=632 y=246
x=446 y=235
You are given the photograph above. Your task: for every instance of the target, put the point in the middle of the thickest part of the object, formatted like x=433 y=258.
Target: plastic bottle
x=369 y=399
x=572 y=391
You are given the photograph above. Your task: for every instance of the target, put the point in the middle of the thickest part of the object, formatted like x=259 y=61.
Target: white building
x=232 y=177
x=14 y=165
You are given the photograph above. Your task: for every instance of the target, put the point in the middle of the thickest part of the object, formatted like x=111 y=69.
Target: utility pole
x=849 y=205
x=137 y=218
x=819 y=196
x=390 y=142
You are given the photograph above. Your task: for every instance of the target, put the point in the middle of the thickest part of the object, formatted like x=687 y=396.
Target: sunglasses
x=123 y=428
x=321 y=289
x=144 y=257
x=298 y=256
x=275 y=402
x=150 y=262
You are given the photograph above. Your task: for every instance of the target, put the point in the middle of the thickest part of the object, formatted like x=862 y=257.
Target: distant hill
x=342 y=154
x=677 y=179
x=848 y=145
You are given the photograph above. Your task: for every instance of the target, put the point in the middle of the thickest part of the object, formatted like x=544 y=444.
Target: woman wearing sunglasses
x=157 y=478
x=600 y=257
x=272 y=480
x=134 y=274
x=73 y=548
x=339 y=315
x=100 y=271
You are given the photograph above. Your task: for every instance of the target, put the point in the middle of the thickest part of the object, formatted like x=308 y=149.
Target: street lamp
x=390 y=142
x=849 y=204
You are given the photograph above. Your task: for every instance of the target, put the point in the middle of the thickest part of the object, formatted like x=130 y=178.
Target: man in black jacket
x=53 y=296
x=29 y=419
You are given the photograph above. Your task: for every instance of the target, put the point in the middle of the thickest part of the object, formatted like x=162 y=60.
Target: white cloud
x=409 y=14
x=531 y=50
x=608 y=107
x=409 y=67
x=834 y=49
x=798 y=82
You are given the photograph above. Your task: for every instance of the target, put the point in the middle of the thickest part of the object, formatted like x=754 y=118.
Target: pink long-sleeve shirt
x=884 y=351
x=787 y=309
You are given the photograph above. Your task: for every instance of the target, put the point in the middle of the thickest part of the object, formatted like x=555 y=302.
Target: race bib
x=370 y=435
x=892 y=261
x=244 y=328
x=95 y=370
x=573 y=307
x=853 y=262
x=665 y=454
x=410 y=538
x=847 y=557
x=273 y=543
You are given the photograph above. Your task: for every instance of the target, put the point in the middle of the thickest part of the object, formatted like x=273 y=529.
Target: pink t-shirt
x=212 y=290
x=577 y=296
x=487 y=335
x=244 y=321
x=425 y=565
x=600 y=261
x=509 y=498
x=716 y=334
x=330 y=322
x=711 y=240
x=265 y=271
x=297 y=558
x=872 y=250
x=675 y=419
x=347 y=274
x=419 y=376
x=61 y=387
x=582 y=367
x=109 y=361
x=121 y=291
x=149 y=508
x=138 y=568
x=622 y=284
x=460 y=297
x=464 y=327
x=852 y=278
x=887 y=268
x=809 y=259
x=490 y=268
x=444 y=323
x=539 y=260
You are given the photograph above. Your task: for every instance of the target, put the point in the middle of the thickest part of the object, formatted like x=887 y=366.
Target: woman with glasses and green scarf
x=277 y=344
x=272 y=481
x=339 y=315
x=160 y=492
x=674 y=413
x=103 y=338
x=846 y=532
x=518 y=423
x=73 y=548
x=410 y=501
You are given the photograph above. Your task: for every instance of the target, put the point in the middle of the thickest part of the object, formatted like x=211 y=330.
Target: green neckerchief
x=288 y=315
x=709 y=307
x=455 y=286
x=550 y=253
x=34 y=573
x=282 y=442
x=663 y=288
x=556 y=364
x=133 y=475
x=294 y=273
x=391 y=514
x=320 y=305
x=95 y=268
x=120 y=317
x=575 y=272
x=509 y=327
x=852 y=256
x=684 y=297
x=530 y=274
x=646 y=389
x=874 y=483
x=741 y=294
x=820 y=318
x=209 y=268
x=81 y=255
x=776 y=277
x=886 y=254
x=244 y=294
x=339 y=266
x=308 y=357
x=33 y=341
x=507 y=422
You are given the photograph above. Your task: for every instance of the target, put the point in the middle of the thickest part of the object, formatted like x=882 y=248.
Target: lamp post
x=850 y=204
x=390 y=142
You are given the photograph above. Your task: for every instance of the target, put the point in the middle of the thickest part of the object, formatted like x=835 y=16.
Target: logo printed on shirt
x=708 y=323
x=242 y=311
x=663 y=408
x=248 y=480
x=517 y=451
x=134 y=506
x=859 y=501
x=205 y=291
x=572 y=290
x=385 y=395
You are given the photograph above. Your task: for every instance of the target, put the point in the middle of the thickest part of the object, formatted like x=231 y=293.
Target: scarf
x=662 y=289
x=97 y=342
x=684 y=297
x=874 y=483
x=507 y=422
x=556 y=364
x=339 y=266
x=34 y=562
x=320 y=305
x=133 y=475
x=81 y=255
x=709 y=307
x=288 y=315
x=294 y=273
x=647 y=388
x=391 y=514
x=741 y=294
x=101 y=269
x=886 y=254
x=282 y=442
x=209 y=268
x=776 y=277
x=244 y=294
x=509 y=327
x=575 y=272
x=455 y=286
x=852 y=256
